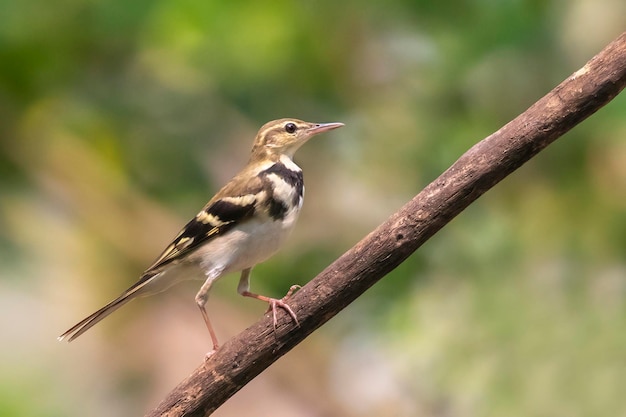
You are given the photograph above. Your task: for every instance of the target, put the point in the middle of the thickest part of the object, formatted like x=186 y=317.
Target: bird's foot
x=292 y=289
x=275 y=303
x=209 y=354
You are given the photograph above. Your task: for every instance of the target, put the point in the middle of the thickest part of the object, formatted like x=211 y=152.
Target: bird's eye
x=290 y=127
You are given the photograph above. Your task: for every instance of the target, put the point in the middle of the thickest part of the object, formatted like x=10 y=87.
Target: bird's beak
x=323 y=127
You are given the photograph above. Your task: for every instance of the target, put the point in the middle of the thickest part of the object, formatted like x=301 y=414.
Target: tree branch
x=480 y=168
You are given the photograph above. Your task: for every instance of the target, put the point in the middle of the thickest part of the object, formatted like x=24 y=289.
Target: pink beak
x=323 y=127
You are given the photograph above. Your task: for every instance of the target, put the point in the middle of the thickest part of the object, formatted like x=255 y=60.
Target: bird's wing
x=233 y=205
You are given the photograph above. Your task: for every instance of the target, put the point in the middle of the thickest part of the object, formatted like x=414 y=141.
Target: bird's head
x=285 y=136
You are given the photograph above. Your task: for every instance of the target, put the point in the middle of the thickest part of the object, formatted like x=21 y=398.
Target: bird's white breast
x=245 y=245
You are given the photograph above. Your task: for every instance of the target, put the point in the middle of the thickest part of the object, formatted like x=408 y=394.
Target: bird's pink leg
x=274 y=303
x=201 y=299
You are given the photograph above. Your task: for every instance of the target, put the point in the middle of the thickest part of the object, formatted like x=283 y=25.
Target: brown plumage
x=242 y=225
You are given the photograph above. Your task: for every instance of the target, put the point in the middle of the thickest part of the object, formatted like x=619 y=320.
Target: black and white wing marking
x=215 y=219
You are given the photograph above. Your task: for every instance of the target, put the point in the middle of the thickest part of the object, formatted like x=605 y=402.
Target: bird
x=244 y=224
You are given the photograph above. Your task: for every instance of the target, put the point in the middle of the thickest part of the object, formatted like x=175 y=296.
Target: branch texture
x=480 y=168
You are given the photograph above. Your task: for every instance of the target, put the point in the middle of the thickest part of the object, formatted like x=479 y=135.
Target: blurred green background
x=118 y=120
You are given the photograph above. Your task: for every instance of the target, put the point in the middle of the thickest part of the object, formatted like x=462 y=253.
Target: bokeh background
x=118 y=120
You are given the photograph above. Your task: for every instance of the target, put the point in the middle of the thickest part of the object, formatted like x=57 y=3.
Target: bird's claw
x=275 y=303
x=209 y=354
x=292 y=289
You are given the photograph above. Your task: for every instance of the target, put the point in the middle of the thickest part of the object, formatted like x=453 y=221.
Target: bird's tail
x=89 y=321
x=86 y=323
x=149 y=283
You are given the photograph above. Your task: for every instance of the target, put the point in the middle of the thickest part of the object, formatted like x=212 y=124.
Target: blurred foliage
x=119 y=119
